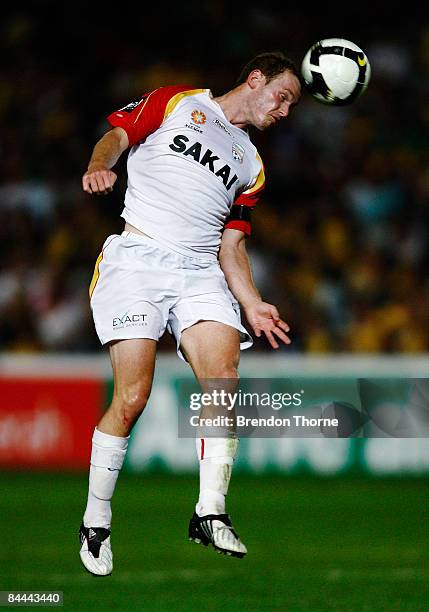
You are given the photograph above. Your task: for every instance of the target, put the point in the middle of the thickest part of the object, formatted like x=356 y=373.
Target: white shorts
x=140 y=289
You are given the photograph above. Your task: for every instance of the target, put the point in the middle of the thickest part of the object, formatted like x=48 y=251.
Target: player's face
x=274 y=100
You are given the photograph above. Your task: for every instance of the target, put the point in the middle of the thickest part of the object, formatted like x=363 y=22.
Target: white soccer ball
x=335 y=71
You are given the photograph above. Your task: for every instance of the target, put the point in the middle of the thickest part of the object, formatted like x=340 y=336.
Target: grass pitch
x=352 y=544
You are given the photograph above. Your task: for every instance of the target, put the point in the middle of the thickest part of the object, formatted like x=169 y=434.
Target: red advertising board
x=48 y=423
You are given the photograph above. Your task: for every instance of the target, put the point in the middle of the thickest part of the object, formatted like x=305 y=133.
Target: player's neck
x=233 y=107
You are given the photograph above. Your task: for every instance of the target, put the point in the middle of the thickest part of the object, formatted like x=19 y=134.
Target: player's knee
x=131 y=402
x=225 y=371
x=230 y=372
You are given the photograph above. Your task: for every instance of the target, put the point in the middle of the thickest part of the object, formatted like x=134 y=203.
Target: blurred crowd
x=339 y=236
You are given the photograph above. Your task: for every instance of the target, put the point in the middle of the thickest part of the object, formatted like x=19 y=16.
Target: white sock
x=107 y=457
x=216 y=456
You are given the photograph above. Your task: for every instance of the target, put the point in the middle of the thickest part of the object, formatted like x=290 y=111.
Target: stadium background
x=339 y=244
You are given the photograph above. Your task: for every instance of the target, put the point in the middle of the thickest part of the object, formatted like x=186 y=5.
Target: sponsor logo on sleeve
x=132 y=105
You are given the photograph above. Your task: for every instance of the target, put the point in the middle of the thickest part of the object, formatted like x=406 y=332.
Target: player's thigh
x=133 y=364
x=212 y=349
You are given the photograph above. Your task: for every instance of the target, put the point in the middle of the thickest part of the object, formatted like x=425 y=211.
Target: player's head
x=273 y=85
x=271 y=64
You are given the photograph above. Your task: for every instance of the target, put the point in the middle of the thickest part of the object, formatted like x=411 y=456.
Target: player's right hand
x=98 y=181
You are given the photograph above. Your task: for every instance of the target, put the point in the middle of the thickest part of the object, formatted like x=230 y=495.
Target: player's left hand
x=265 y=318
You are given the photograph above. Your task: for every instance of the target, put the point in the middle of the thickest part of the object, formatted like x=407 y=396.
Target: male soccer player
x=180 y=264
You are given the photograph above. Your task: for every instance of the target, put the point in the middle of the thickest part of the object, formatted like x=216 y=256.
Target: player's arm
x=131 y=124
x=99 y=177
x=263 y=317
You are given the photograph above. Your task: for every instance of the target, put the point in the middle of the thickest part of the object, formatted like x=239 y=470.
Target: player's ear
x=255 y=79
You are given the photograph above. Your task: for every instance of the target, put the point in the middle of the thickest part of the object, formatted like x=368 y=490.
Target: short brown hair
x=271 y=64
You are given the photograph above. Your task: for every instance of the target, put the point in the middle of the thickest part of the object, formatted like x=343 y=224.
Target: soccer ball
x=335 y=71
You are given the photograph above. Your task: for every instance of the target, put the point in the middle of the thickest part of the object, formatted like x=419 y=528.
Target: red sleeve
x=248 y=198
x=139 y=119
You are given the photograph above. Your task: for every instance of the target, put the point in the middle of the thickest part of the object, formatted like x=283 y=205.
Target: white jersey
x=191 y=173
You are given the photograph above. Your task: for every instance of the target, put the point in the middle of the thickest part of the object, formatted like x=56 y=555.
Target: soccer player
x=180 y=264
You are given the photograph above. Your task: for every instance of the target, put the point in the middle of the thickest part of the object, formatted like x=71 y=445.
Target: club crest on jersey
x=237 y=152
x=198 y=117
